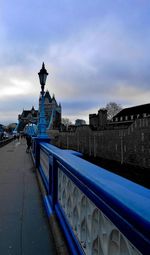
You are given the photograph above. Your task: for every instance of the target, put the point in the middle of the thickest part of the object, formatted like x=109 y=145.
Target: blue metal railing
x=6 y=141
x=124 y=203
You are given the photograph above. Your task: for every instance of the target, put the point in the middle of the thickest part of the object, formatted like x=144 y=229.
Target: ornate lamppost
x=42 y=121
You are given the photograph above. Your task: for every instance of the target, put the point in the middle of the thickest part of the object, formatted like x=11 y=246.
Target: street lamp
x=42 y=77
x=42 y=121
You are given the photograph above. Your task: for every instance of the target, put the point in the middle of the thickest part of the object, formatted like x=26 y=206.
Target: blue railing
x=99 y=212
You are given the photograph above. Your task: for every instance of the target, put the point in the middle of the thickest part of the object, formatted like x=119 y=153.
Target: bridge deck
x=23 y=224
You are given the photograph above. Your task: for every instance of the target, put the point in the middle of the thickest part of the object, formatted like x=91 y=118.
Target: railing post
x=39 y=140
x=54 y=183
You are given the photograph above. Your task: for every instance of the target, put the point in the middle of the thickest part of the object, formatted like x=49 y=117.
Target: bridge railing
x=6 y=141
x=99 y=212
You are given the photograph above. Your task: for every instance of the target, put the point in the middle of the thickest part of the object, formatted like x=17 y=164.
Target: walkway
x=24 y=228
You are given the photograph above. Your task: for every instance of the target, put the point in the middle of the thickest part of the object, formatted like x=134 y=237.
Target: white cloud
x=97 y=60
x=15 y=87
x=132 y=94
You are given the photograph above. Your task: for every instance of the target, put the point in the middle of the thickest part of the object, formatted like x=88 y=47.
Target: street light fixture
x=42 y=121
x=42 y=77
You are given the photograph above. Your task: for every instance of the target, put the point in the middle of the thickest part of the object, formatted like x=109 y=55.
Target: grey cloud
x=17 y=103
x=75 y=106
x=92 y=53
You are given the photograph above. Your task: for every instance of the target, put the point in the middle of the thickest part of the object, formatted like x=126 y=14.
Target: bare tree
x=112 y=109
x=66 y=122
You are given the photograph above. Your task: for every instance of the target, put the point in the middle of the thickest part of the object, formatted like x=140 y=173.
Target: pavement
x=24 y=228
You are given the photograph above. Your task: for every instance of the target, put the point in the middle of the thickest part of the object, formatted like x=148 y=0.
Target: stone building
x=80 y=122
x=125 y=140
x=52 y=111
x=98 y=121
x=129 y=115
x=26 y=117
x=52 y=114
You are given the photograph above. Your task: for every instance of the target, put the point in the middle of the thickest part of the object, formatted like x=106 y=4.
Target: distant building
x=123 y=119
x=52 y=114
x=26 y=117
x=98 y=121
x=132 y=113
x=52 y=111
x=80 y=122
x=124 y=139
x=11 y=127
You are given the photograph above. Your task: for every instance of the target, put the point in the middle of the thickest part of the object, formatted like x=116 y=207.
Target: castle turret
x=102 y=118
x=98 y=121
x=52 y=111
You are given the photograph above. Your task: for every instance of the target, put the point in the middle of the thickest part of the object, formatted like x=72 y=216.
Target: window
x=140 y=123
x=135 y=123
x=116 y=146
x=131 y=117
x=126 y=118
x=142 y=137
x=143 y=122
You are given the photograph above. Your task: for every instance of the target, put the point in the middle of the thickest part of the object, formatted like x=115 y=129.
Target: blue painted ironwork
x=16 y=128
x=51 y=119
x=126 y=204
x=42 y=120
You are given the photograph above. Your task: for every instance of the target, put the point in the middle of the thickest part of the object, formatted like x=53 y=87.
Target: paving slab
x=24 y=227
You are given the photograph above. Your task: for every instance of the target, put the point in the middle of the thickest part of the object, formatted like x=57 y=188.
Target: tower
x=52 y=111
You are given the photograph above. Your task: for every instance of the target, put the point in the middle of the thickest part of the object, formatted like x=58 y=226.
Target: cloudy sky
x=95 y=51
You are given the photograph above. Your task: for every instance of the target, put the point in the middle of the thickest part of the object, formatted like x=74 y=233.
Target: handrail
x=124 y=203
x=6 y=141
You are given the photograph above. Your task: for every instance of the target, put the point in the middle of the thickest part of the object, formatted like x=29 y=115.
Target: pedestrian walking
x=29 y=143
x=18 y=136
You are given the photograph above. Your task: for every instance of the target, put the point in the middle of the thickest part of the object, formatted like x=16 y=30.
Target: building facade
x=98 y=121
x=52 y=111
x=126 y=141
x=80 y=122
x=132 y=113
x=26 y=117
x=52 y=114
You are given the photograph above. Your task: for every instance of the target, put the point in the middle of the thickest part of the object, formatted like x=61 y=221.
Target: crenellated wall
x=129 y=145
